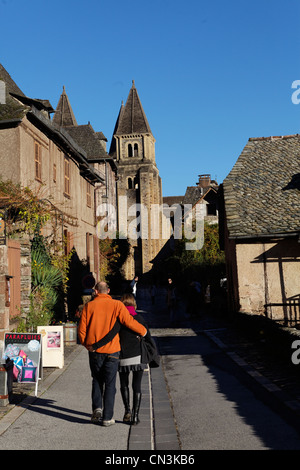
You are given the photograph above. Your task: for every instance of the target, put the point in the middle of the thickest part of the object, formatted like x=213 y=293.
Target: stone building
x=260 y=221
x=69 y=167
x=94 y=145
x=40 y=154
x=203 y=195
x=138 y=186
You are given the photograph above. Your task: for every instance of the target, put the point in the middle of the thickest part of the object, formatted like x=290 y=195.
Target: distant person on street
x=130 y=361
x=133 y=285
x=171 y=300
x=153 y=293
x=98 y=318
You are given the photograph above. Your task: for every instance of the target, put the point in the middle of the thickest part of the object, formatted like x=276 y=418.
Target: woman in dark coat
x=130 y=361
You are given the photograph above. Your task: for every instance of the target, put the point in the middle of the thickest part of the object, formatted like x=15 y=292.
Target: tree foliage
x=113 y=254
x=25 y=209
x=205 y=265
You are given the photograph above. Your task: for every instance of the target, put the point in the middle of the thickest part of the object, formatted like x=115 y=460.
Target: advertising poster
x=52 y=345
x=24 y=349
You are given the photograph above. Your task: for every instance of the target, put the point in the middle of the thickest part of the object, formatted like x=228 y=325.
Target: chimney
x=2 y=92
x=204 y=181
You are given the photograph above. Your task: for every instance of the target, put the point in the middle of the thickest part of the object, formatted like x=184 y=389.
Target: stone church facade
x=138 y=187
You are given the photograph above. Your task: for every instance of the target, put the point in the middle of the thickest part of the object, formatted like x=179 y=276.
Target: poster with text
x=24 y=349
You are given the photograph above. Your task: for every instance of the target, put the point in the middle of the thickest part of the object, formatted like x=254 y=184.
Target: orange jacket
x=97 y=319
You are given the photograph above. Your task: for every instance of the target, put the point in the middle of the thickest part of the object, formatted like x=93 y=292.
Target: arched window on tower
x=136 y=150
x=129 y=183
x=130 y=150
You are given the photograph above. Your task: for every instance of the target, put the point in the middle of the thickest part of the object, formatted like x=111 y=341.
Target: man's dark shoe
x=97 y=416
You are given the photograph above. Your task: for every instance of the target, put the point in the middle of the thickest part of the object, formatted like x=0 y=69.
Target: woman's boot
x=136 y=407
x=126 y=402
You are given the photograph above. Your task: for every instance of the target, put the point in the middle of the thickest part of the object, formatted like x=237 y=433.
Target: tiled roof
x=170 y=200
x=132 y=119
x=87 y=139
x=64 y=115
x=41 y=105
x=12 y=109
x=193 y=194
x=11 y=86
x=262 y=191
x=18 y=105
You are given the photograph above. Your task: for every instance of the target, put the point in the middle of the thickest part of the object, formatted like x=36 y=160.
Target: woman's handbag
x=149 y=351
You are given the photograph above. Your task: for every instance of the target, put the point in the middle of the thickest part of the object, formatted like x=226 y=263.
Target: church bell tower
x=138 y=185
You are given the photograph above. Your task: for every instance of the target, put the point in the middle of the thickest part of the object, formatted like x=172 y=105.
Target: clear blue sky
x=210 y=74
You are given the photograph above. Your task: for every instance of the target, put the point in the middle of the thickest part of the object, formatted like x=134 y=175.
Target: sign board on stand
x=24 y=349
x=52 y=346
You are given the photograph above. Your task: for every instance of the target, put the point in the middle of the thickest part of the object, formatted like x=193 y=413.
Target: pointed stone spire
x=64 y=116
x=132 y=119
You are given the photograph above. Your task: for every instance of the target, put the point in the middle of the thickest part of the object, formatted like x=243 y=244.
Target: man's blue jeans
x=104 y=368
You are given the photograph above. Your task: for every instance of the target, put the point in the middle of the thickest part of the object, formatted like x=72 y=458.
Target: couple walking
x=111 y=331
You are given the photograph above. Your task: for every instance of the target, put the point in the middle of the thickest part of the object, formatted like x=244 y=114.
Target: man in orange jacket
x=97 y=320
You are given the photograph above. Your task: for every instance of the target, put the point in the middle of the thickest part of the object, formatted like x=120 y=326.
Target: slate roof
x=262 y=191
x=64 y=116
x=87 y=138
x=132 y=119
x=12 y=109
x=84 y=135
x=11 y=86
x=18 y=105
x=41 y=105
x=170 y=200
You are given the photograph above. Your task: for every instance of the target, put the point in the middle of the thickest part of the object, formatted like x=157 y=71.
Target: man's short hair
x=102 y=287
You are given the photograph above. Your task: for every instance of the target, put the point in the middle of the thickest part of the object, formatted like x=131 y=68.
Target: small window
x=130 y=150
x=88 y=195
x=211 y=209
x=88 y=247
x=38 y=161
x=129 y=183
x=136 y=150
x=54 y=172
x=67 y=176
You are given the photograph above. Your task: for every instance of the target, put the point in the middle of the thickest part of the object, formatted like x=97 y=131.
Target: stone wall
x=4 y=309
x=6 y=323
x=268 y=278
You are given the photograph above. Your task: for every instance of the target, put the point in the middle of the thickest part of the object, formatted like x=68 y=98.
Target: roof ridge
x=10 y=83
x=273 y=137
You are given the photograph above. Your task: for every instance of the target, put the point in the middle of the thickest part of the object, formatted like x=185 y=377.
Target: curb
x=291 y=405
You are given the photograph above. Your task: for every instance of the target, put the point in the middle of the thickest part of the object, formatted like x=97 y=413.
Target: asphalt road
x=216 y=405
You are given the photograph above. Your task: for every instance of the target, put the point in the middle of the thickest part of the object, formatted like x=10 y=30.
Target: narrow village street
x=164 y=186
x=199 y=399
x=217 y=405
